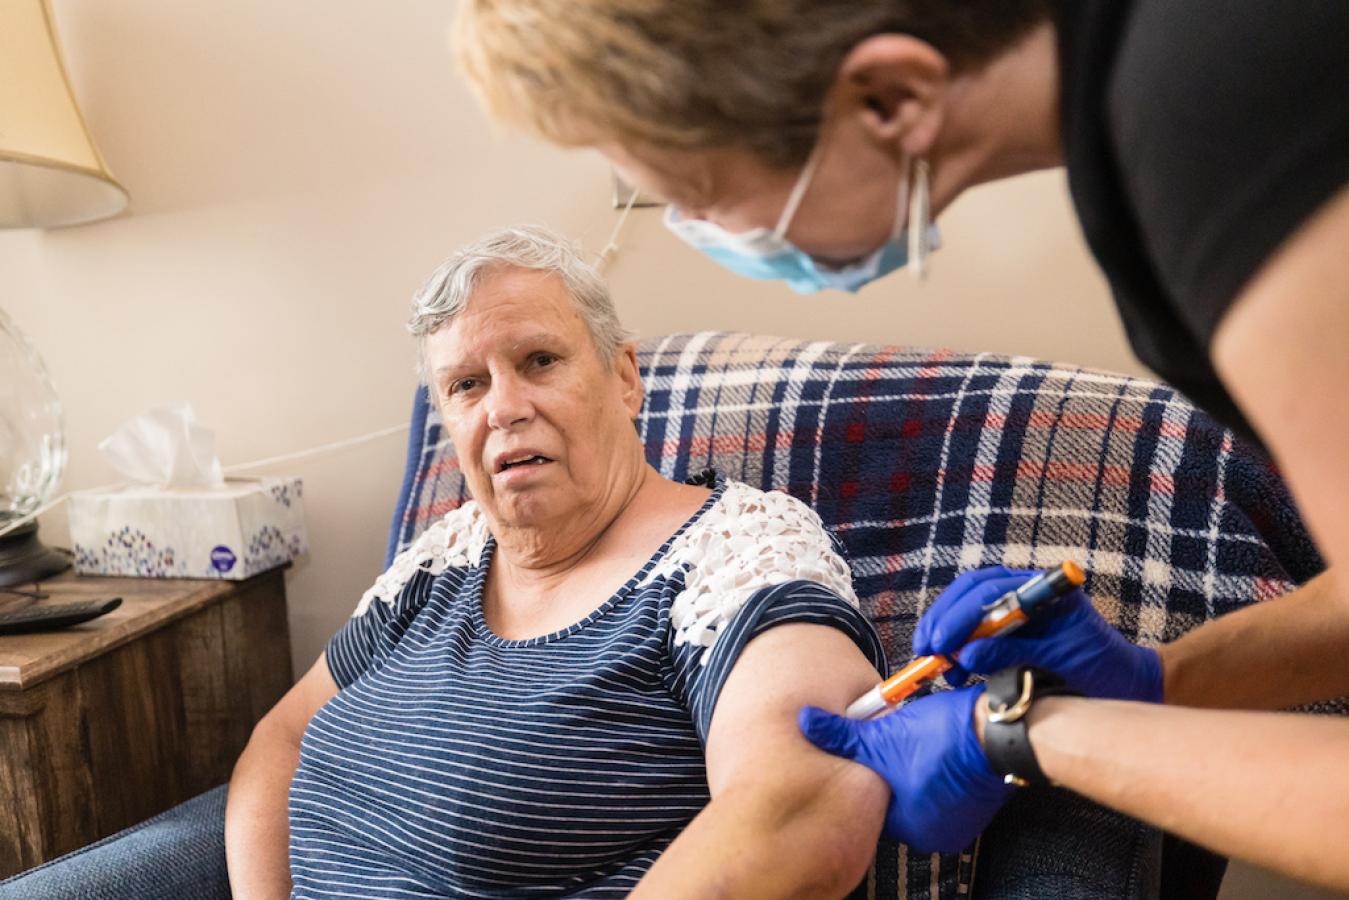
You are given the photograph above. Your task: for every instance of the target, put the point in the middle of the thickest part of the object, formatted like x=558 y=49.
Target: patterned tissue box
x=233 y=532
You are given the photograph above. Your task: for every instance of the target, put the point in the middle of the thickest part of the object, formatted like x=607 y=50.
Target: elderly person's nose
x=508 y=403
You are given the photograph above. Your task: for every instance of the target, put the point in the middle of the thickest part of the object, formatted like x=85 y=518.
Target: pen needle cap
x=1074 y=573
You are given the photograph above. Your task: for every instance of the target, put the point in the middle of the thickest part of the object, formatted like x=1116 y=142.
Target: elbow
x=832 y=833
x=844 y=863
x=262 y=734
x=271 y=745
x=836 y=864
x=854 y=807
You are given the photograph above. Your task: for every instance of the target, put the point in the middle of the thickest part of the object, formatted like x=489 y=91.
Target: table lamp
x=51 y=175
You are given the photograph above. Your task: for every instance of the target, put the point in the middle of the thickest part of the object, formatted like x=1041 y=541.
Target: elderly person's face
x=542 y=425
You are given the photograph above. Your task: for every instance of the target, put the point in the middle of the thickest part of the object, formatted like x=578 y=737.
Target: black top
x=1198 y=135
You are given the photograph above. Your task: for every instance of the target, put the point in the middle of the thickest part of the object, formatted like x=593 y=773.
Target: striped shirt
x=454 y=762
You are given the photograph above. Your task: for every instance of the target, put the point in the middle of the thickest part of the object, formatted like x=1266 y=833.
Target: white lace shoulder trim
x=456 y=540
x=749 y=540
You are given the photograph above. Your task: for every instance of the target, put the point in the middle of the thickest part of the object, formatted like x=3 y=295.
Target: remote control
x=56 y=615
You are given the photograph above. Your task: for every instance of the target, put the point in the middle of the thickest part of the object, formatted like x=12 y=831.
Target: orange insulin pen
x=1006 y=614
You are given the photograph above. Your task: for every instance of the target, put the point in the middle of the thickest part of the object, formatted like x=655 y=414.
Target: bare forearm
x=813 y=842
x=1274 y=655
x=1271 y=788
x=256 y=826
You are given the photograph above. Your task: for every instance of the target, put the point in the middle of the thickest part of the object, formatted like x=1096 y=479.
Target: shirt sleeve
x=1230 y=130
x=699 y=681
x=367 y=638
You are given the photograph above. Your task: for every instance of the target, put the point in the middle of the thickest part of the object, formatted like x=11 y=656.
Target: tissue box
x=232 y=532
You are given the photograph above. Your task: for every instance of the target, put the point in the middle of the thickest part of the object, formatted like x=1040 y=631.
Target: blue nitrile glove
x=1070 y=638
x=943 y=792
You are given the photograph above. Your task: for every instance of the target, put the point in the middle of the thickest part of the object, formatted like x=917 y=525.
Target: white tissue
x=166 y=447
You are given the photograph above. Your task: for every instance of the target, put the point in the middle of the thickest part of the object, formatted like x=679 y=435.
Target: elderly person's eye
x=462 y=385
x=545 y=359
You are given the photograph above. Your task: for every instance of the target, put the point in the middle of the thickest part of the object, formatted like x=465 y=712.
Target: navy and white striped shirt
x=454 y=762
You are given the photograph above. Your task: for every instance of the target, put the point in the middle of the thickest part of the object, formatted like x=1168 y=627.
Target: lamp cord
x=321 y=449
x=602 y=258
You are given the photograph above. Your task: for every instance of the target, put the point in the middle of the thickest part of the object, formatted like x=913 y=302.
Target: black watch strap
x=1009 y=695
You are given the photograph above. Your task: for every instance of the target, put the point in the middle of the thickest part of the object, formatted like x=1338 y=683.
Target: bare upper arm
x=291 y=714
x=1283 y=352
x=753 y=742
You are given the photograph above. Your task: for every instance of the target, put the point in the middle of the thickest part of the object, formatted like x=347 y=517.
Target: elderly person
x=1207 y=149
x=584 y=680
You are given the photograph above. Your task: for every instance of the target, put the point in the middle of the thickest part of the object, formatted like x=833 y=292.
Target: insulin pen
x=1006 y=614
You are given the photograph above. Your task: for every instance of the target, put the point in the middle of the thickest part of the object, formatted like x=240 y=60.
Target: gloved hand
x=943 y=792
x=1070 y=638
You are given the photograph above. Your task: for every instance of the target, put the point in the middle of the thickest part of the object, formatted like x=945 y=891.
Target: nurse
x=1208 y=158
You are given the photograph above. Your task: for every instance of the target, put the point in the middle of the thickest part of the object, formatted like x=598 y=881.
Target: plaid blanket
x=927 y=464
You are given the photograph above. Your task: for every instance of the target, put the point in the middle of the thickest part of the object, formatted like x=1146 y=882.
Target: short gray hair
x=449 y=288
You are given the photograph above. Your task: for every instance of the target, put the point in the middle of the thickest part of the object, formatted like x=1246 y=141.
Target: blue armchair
x=925 y=465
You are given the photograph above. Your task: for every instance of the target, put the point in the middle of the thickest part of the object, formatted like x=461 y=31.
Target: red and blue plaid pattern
x=927 y=464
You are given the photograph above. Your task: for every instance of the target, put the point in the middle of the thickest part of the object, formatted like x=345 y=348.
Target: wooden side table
x=105 y=724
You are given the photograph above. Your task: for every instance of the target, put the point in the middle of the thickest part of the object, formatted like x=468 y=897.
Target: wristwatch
x=1008 y=696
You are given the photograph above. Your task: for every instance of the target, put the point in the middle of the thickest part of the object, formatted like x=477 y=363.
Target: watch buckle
x=1014 y=712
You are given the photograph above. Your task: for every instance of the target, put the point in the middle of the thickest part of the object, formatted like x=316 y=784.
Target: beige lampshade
x=50 y=171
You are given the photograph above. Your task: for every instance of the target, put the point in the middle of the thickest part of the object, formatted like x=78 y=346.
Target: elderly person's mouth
x=516 y=464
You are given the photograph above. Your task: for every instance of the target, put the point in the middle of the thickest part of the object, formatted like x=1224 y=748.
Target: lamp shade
x=51 y=173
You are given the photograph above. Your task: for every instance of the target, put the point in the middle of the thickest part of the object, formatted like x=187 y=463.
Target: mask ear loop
x=920 y=211
x=799 y=189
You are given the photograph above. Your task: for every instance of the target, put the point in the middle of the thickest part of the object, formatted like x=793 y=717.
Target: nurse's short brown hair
x=701 y=74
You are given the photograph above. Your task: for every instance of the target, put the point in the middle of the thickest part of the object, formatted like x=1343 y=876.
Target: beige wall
x=297 y=168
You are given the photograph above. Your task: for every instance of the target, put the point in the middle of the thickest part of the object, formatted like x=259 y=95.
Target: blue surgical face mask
x=766 y=254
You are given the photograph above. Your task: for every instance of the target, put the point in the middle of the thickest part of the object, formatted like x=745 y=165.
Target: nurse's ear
x=894 y=86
